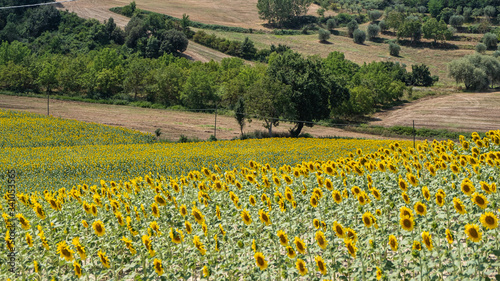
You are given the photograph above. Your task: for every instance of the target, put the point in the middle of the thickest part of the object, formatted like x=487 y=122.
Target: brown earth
x=173 y=124
x=466 y=112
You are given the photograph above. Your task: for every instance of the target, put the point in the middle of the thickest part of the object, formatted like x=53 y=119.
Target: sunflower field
x=277 y=209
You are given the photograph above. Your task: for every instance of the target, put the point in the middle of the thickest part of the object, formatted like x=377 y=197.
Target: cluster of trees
x=280 y=12
x=48 y=30
x=477 y=72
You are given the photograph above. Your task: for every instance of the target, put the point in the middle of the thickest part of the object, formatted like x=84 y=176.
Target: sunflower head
x=321 y=265
x=459 y=206
x=301 y=267
x=300 y=245
x=393 y=242
x=420 y=208
x=260 y=260
x=473 y=233
x=158 y=267
x=321 y=239
x=290 y=252
x=245 y=215
x=407 y=223
x=283 y=238
x=449 y=236
x=351 y=247
x=489 y=220
x=480 y=200
x=427 y=239
x=99 y=228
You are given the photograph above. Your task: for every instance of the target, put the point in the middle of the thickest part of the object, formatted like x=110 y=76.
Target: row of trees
x=290 y=86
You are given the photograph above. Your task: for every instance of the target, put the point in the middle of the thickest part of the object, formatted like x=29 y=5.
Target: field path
x=173 y=124
x=465 y=112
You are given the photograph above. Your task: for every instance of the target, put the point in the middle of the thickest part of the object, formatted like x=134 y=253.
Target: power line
x=35 y=5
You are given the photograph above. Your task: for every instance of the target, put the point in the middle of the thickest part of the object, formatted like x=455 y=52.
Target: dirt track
x=173 y=124
x=465 y=112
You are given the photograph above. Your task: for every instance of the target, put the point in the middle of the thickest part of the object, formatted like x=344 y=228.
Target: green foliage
x=280 y=11
x=394 y=20
x=432 y=29
x=446 y=14
x=457 y=21
x=435 y=7
x=351 y=27
x=239 y=114
x=128 y=10
x=331 y=24
x=394 y=49
x=359 y=36
x=374 y=15
x=383 y=26
x=490 y=40
x=373 y=31
x=476 y=71
x=481 y=48
x=323 y=35
x=411 y=28
x=421 y=76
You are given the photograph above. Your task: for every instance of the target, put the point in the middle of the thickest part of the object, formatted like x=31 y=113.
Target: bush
x=383 y=26
x=351 y=27
x=374 y=15
x=457 y=21
x=359 y=36
x=496 y=54
x=394 y=49
x=373 y=31
x=323 y=35
x=331 y=24
x=490 y=40
x=481 y=48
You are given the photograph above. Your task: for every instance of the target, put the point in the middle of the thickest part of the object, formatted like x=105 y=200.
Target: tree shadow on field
x=429 y=45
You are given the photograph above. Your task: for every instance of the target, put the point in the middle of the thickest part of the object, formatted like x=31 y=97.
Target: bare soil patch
x=173 y=124
x=466 y=112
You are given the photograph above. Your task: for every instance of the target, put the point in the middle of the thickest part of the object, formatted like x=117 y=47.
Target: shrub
x=331 y=24
x=394 y=49
x=351 y=26
x=383 y=26
x=496 y=54
x=359 y=36
x=490 y=40
x=373 y=31
x=323 y=35
x=481 y=48
x=457 y=21
x=374 y=15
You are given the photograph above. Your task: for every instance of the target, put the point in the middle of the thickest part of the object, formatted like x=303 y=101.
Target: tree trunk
x=270 y=127
x=295 y=131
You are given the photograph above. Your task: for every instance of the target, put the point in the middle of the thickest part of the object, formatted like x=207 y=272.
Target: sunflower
x=300 y=245
x=93 y=209
x=177 y=236
x=337 y=197
x=405 y=212
x=79 y=248
x=119 y=218
x=206 y=271
x=351 y=234
x=427 y=239
x=158 y=267
x=368 y=219
x=467 y=187
x=29 y=240
x=222 y=231
x=440 y=199
x=254 y=246
x=321 y=239
x=473 y=233
x=355 y=190
x=99 y=228
x=146 y=240
x=363 y=198
x=351 y=247
x=25 y=224
x=416 y=245
x=449 y=236
x=245 y=215
x=407 y=223
x=321 y=264
x=480 y=200
x=198 y=216
x=459 y=206
x=283 y=238
x=376 y=193
x=64 y=251
x=199 y=245
x=36 y=266
x=378 y=212
x=420 y=208
x=128 y=244
x=403 y=184
x=489 y=220
x=78 y=269
x=188 y=226
x=406 y=198
x=104 y=259
x=264 y=217
x=339 y=230
x=316 y=223
x=183 y=210
x=393 y=242
x=260 y=260
x=39 y=211
x=301 y=267
x=379 y=273
x=426 y=193
x=155 y=210
x=412 y=179
x=314 y=201
x=290 y=252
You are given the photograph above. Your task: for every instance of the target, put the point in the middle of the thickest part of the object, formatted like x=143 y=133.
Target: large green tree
x=313 y=92
x=280 y=11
